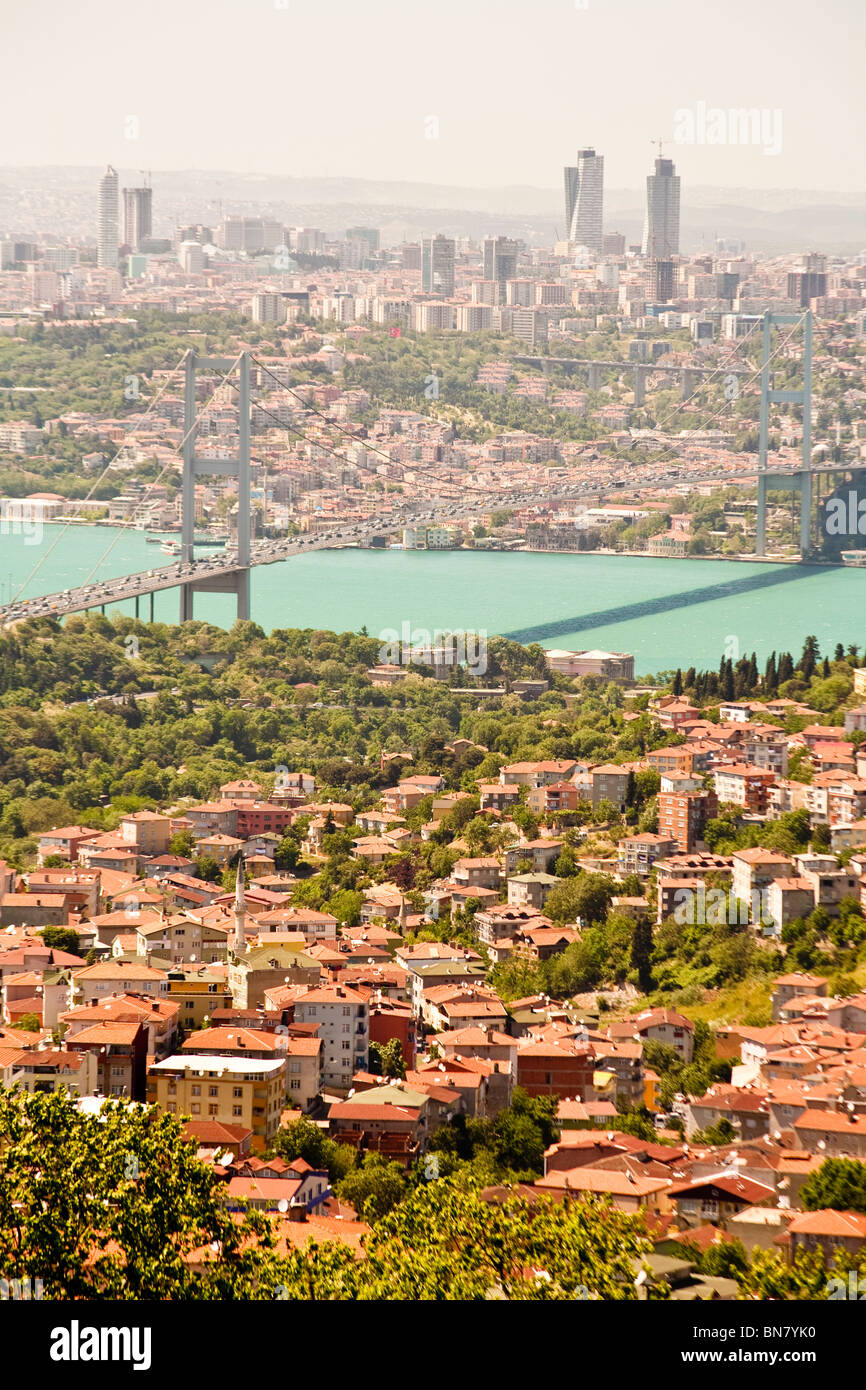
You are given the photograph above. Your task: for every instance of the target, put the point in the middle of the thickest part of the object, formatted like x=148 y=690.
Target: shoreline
x=817 y=562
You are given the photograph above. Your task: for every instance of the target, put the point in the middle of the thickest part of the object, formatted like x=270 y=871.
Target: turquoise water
x=667 y=612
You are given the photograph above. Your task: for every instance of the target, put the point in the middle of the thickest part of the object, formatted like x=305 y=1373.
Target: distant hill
x=51 y=199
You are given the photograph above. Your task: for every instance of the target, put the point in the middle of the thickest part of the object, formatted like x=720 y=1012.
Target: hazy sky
x=350 y=87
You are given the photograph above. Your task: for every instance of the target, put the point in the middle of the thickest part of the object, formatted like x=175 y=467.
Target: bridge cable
x=101 y=477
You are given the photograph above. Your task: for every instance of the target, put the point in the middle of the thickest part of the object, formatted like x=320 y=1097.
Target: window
x=196 y=1108
x=212 y=1109
x=346 y=1011
x=294 y=1066
x=237 y=1110
x=196 y=1090
x=238 y=1092
x=212 y=1091
x=295 y=1085
x=347 y=1047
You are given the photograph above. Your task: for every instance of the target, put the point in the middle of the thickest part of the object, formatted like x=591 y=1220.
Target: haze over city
x=349 y=90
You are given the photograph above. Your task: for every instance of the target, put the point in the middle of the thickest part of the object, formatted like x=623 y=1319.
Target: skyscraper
x=661 y=281
x=500 y=262
x=437 y=265
x=661 y=232
x=106 y=254
x=137 y=216
x=584 y=199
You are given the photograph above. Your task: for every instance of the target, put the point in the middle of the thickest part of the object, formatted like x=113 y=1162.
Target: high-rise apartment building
x=584 y=200
x=437 y=265
x=809 y=282
x=137 y=216
x=190 y=257
x=268 y=308
x=661 y=278
x=106 y=251
x=250 y=233
x=661 y=233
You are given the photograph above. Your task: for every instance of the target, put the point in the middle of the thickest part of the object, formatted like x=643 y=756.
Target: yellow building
x=604 y=1085
x=197 y=992
x=245 y=1091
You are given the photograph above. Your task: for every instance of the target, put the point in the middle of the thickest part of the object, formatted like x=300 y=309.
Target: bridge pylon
x=237 y=580
x=801 y=481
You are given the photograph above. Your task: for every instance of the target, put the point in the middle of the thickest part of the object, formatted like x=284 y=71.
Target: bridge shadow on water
x=666 y=603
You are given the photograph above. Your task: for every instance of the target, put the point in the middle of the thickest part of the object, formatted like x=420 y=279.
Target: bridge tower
x=801 y=481
x=237 y=580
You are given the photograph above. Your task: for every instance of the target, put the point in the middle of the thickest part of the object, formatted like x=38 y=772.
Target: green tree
x=31 y=1023
x=286 y=854
x=641 y=953
x=208 y=870
x=586 y=896
x=61 y=939
x=373 y=1188
x=182 y=844
x=444 y=1241
x=386 y=1059
x=301 y=1138
x=112 y=1206
x=839 y=1183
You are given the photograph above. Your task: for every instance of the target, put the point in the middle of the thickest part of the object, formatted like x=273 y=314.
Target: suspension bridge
x=229 y=572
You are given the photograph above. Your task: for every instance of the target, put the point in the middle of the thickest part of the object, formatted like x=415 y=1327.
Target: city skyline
x=416 y=123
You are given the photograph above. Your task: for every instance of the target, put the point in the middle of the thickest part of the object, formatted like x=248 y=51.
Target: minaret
x=240 y=909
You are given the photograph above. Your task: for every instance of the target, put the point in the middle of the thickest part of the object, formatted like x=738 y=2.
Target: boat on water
x=170 y=548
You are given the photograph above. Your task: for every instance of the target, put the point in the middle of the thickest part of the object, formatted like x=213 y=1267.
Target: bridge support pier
x=761 y=520
x=805 y=515
x=151 y=604
x=640 y=374
x=800 y=482
x=237 y=580
x=136 y=607
x=687 y=383
x=594 y=376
